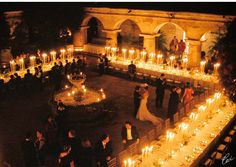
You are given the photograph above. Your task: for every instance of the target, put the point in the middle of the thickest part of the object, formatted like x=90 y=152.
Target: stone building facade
x=197 y=29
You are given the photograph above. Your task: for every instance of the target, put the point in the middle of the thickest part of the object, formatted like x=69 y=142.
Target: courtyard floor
x=18 y=115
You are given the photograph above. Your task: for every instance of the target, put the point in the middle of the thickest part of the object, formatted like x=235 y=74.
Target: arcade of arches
x=139 y=29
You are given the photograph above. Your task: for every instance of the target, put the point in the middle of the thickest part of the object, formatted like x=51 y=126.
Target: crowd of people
x=34 y=82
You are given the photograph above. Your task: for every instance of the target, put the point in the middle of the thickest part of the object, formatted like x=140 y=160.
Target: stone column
x=111 y=36
x=149 y=42
x=80 y=37
x=194 y=53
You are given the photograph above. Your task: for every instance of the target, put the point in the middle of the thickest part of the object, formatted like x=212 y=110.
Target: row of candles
x=64 y=54
x=142 y=56
x=197 y=119
x=158 y=58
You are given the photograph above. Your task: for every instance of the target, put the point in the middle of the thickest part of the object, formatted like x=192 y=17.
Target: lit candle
x=98 y=99
x=66 y=86
x=103 y=96
x=143 y=55
x=185 y=61
x=131 y=54
x=172 y=58
x=68 y=94
x=70 y=51
x=159 y=57
x=124 y=54
x=32 y=61
x=63 y=54
x=44 y=58
x=216 y=66
x=53 y=56
x=13 y=65
x=113 y=51
x=202 y=66
x=152 y=57
x=22 y=64
x=125 y=162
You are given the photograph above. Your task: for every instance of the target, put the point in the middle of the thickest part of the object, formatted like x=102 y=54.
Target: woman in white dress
x=143 y=113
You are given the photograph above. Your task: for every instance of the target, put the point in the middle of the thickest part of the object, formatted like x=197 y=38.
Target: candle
x=202 y=66
x=125 y=162
x=216 y=66
x=32 y=61
x=113 y=52
x=171 y=60
x=185 y=61
x=53 y=56
x=44 y=58
x=66 y=86
x=131 y=54
x=124 y=54
x=98 y=99
x=152 y=57
x=13 y=65
x=22 y=64
x=70 y=51
x=159 y=57
x=143 y=56
x=63 y=54
x=103 y=96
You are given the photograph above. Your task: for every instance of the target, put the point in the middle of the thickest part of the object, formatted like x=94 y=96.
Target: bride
x=143 y=113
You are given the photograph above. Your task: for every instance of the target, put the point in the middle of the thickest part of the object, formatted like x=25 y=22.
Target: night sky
x=226 y=8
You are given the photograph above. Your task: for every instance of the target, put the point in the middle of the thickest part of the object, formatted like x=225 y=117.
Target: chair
x=176 y=117
x=159 y=130
x=132 y=149
x=221 y=148
x=112 y=162
x=123 y=155
x=208 y=162
x=227 y=139
x=167 y=123
x=143 y=141
x=152 y=135
x=181 y=113
x=231 y=133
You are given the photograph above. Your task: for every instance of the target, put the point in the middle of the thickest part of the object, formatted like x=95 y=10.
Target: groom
x=137 y=99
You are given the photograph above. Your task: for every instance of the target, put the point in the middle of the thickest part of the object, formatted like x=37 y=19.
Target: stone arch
x=208 y=40
x=167 y=31
x=129 y=35
x=95 y=32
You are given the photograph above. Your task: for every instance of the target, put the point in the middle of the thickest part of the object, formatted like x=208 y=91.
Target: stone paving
x=23 y=114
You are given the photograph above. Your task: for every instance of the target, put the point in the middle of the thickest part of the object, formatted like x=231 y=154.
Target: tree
x=5 y=33
x=226 y=47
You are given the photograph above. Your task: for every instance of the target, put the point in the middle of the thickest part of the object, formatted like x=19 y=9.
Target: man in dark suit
x=29 y=151
x=137 y=99
x=131 y=70
x=160 y=90
x=129 y=134
x=103 y=151
x=173 y=103
x=76 y=147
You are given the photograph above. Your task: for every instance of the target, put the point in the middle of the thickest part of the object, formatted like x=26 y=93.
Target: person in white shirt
x=129 y=134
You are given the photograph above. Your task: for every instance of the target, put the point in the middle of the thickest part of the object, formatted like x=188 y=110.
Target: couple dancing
x=140 y=101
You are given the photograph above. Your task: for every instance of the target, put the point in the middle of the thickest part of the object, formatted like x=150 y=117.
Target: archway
x=208 y=41
x=166 y=32
x=94 y=32
x=129 y=37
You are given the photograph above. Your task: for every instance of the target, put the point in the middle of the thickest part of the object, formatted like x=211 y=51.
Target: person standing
x=173 y=104
x=137 y=99
x=173 y=45
x=40 y=145
x=129 y=134
x=160 y=90
x=187 y=96
x=103 y=151
x=29 y=151
x=100 y=66
x=132 y=70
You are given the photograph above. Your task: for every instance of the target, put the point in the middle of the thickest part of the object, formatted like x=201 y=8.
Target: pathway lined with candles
x=183 y=144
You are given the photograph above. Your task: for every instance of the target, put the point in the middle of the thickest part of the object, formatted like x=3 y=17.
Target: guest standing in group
x=187 y=96
x=40 y=145
x=173 y=45
x=129 y=134
x=137 y=99
x=160 y=90
x=100 y=62
x=103 y=151
x=29 y=151
x=65 y=159
x=87 y=153
x=173 y=103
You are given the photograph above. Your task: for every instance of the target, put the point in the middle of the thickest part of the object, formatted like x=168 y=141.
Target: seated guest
x=65 y=159
x=129 y=134
x=132 y=70
x=103 y=151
